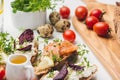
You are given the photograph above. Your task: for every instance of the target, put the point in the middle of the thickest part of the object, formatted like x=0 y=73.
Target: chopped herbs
x=79 y=72
x=46 y=40
x=88 y=63
x=6 y=43
x=37 y=38
x=57 y=40
x=39 y=52
x=56 y=59
x=51 y=74
x=81 y=50
x=85 y=62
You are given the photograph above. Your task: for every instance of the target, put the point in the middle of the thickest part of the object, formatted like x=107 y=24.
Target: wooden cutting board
x=107 y=50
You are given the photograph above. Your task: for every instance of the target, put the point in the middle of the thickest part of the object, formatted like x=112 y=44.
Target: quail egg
x=62 y=25
x=45 y=31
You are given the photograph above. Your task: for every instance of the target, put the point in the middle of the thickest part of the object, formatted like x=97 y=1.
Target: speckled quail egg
x=62 y=25
x=45 y=31
x=54 y=17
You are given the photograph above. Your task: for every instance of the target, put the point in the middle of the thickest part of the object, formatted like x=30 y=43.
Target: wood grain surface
x=107 y=50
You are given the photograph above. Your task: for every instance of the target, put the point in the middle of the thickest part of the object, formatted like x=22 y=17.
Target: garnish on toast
x=54 y=54
x=60 y=56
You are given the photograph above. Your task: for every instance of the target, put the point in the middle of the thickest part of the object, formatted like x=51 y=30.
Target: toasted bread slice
x=47 y=76
x=57 y=66
x=90 y=77
x=61 y=51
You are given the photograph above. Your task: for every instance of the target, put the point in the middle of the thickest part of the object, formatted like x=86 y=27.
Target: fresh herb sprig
x=56 y=58
x=51 y=74
x=57 y=40
x=6 y=43
x=82 y=50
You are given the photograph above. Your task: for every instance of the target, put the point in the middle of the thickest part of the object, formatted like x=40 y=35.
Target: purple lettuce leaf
x=27 y=35
x=76 y=67
x=62 y=74
x=27 y=48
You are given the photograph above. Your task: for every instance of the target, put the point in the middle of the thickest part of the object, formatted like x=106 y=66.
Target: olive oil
x=18 y=59
x=1 y=6
x=1 y=11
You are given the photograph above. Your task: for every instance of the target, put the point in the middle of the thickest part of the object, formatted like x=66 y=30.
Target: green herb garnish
x=37 y=38
x=39 y=52
x=46 y=40
x=79 y=72
x=6 y=43
x=56 y=58
x=82 y=50
x=51 y=74
x=87 y=62
x=57 y=40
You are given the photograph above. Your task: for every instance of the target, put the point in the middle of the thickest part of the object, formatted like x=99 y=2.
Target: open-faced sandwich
x=55 y=54
x=62 y=60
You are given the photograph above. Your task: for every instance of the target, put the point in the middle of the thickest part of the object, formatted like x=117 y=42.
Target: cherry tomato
x=90 y=21
x=2 y=73
x=101 y=28
x=69 y=35
x=97 y=13
x=65 y=12
x=81 y=12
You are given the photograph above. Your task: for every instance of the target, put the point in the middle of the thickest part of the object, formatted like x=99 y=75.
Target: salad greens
x=6 y=43
x=32 y=5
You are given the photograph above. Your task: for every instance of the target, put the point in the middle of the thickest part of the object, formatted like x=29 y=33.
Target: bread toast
x=47 y=76
x=61 y=50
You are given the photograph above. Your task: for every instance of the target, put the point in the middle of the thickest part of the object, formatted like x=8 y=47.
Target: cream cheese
x=46 y=77
x=74 y=75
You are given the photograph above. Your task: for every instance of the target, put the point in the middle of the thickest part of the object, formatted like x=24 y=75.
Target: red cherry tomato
x=97 y=13
x=101 y=28
x=65 y=12
x=69 y=35
x=2 y=73
x=90 y=21
x=81 y=12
